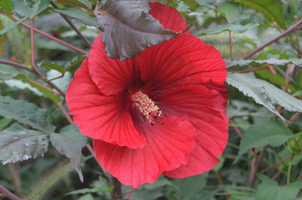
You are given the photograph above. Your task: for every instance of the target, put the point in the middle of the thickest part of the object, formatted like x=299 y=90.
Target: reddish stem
x=292 y=118
x=43 y=86
x=273 y=71
x=230 y=42
x=298 y=145
x=291 y=42
x=236 y=128
x=8 y=194
x=33 y=65
x=275 y=165
x=288 y=31
x=276 y=175
x=53 y=38
x=34 y=72
x=221 y=183
x=73 y=27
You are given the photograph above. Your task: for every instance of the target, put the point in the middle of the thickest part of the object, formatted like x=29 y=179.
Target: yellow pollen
x=146 y=106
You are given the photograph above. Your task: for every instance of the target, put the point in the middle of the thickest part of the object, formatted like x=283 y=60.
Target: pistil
x=146 y=106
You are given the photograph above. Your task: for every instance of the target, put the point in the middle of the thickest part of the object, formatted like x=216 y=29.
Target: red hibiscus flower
x=162 y=112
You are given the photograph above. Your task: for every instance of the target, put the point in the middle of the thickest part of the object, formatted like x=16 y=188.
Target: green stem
x=289 y=169
x=44 y=184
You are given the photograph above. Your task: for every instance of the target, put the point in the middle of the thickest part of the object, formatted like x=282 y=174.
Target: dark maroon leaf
x=128 y=29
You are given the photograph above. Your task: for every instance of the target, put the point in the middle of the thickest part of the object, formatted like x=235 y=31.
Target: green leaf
x=26 y=113
x=206 y=2
x=190 y=188
x=270 y=190
x=17 y=40
x=226 y=27
x=158 y=183
x=70 y=143
x=271 y=61
x=25 y=8
x=6 y=5
x=22 y=7
x=92 y=190
x=7 y=72
x=118 y=19
x=54 y=97
x=219 y=165
x=264 y=93
x=275 y=78
x=40 y=6
x=86 y=3
x=7 y=29
x=191 y=3
x=270 y=9
x=267 y=132
x=86 y=197
x=230 y=11
x=69 y=65
x=298 y=93
x=4 y=123
x=77 y=13
x=13 y=83
x=61 y=82
x=81 y=3
x=42 y=43
x=18 y=144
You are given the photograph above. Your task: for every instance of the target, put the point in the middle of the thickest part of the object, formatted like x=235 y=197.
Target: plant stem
x=43 y=86
x=117 y=191
x=17 y=181
x=299 y=177
x=297 y=38
x=289 y=40
x=33 y=65
x=230 y=42
x=276 y=175
x=250 y=70
x=292 y=118
x=8 y=194
x=289 y=170
x=53 y=38
x=258 y=163
x=34 y=72
x=73 y=27
x=276 y=164
x=221 y=183
x=293 y=28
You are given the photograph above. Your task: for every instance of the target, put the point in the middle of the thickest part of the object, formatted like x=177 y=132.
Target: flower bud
x=292 y=147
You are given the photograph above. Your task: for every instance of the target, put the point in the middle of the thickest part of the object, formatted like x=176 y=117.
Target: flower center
x=146 y=106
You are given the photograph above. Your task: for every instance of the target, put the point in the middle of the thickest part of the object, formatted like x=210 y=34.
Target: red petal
x=181 y=61
x=205 y=109
x=199 y=161
x=167 y=147
x=98 y=116
x=110 y=75
x=113 y=76
x=169 y=17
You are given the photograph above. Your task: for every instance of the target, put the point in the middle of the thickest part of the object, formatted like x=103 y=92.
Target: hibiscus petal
x=205 y=109
x=110 y=75
x=181 y=61
x=169 y=17
x=98 y=116
x=199 y=161
x=167 y=147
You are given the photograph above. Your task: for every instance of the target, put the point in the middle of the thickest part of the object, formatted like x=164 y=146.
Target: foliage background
x=263 y=157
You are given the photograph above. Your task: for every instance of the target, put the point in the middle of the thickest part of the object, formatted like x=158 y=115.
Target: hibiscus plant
x=150 y=100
